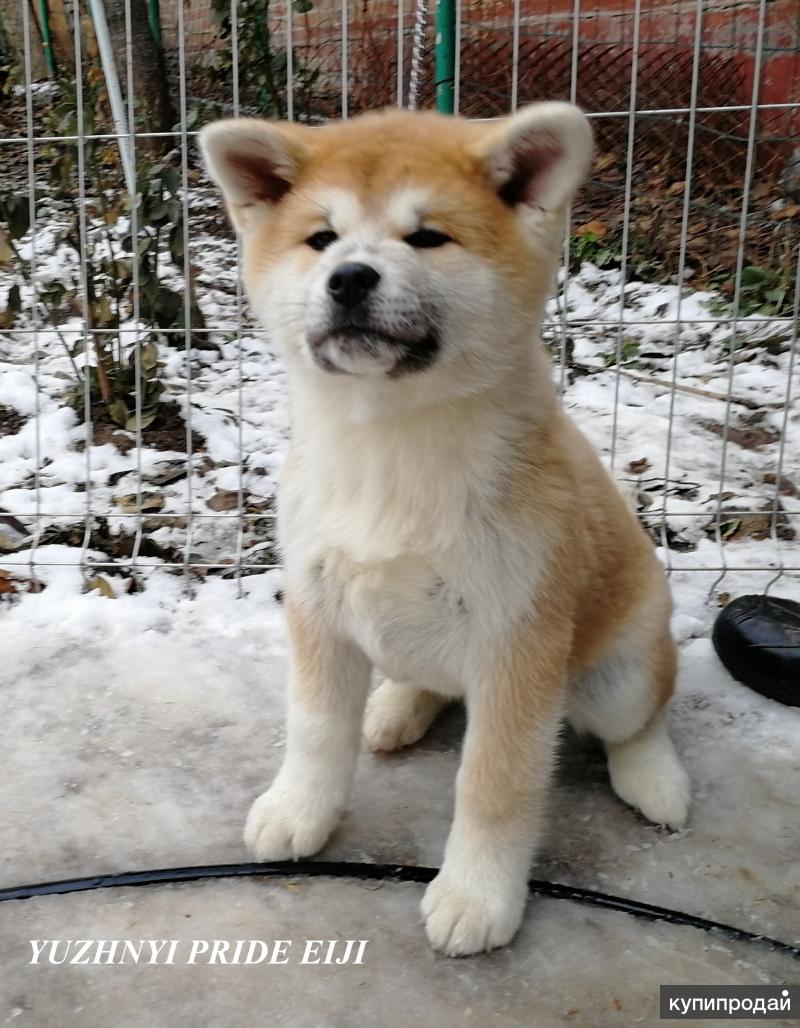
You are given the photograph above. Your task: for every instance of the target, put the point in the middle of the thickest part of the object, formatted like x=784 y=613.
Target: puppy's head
x=410 y=250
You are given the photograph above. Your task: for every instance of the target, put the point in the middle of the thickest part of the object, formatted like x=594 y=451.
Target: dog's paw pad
x=397 y=716
x=661 y=794
x=666 y=803
x=459 y=922
x=286 y=825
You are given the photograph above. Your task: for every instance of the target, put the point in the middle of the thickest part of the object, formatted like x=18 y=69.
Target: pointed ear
x=539 y=156
x=254 y=163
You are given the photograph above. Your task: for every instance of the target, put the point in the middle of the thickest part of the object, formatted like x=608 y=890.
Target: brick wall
x=729 y=30
x=198 y=21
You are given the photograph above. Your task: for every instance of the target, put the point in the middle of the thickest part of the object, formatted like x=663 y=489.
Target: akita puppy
x=440 y=518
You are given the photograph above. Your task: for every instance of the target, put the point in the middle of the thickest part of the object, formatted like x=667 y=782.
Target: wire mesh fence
x=141 y=412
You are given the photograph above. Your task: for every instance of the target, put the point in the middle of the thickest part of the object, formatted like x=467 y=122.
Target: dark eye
x=426 y=238
x=321 y=240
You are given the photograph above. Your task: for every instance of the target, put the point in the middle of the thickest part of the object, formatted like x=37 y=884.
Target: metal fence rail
x=647 y=109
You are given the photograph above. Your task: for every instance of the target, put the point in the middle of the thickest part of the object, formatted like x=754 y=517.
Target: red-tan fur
x=451 y=526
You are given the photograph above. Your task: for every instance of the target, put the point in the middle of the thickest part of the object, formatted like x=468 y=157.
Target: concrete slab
x=141 y=744
x=111 y=768
x=571 y=966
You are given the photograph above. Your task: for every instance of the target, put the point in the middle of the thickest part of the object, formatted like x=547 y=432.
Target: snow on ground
x=617 y=384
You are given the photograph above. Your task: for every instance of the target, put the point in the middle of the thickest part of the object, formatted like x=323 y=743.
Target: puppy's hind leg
x=646 y=773
x=399 y=715
x=623 y=702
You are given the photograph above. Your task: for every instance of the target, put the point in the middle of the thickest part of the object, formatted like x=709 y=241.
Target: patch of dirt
x=13 y=159
x=749 y=434
x=116 y=546
x=756 y=525
x=787 y=486
x=11 y=421
x=167 y=432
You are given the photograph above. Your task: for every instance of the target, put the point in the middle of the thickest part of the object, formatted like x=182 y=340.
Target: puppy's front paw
x=462 y=918
x=289 y=822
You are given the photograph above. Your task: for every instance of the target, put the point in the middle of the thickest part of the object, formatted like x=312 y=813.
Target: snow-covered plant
x=115 y=281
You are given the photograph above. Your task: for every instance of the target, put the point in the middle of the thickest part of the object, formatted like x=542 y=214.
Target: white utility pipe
x=124 y=141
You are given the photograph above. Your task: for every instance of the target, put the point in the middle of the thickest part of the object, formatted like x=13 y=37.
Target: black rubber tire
x=757 y=638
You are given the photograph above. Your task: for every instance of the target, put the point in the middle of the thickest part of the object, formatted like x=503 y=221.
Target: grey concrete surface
x=571 y=966
x=148 y=755
x=121 y=771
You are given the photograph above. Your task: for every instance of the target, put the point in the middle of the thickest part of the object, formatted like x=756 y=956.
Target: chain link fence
x=140 y=413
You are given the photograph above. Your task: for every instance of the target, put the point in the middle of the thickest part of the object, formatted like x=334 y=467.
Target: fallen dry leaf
x=13 y=534
x=592 y=228
x=788 y=212
x=103 y=586
x=224 y=499
x=129 y=504
x=11 y=584
x=168 y=474
x=605 y=160
x=638 y=467
x=787 y=486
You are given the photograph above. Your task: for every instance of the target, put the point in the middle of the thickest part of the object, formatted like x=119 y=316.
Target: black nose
x=352 y=282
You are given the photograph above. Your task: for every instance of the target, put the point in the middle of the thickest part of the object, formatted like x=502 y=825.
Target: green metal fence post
x=154 y=17
x=445 y=59
x=47 y=40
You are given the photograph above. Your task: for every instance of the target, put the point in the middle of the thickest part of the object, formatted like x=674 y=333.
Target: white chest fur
x=409 y=614
x=393 y=529
x=429 y=615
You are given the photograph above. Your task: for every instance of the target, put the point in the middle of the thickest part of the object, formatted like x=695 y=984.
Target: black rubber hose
x=379 y=872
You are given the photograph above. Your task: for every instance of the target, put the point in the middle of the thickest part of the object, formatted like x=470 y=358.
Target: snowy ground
x=617 y=385
x=136 y=732
x=139 y=724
